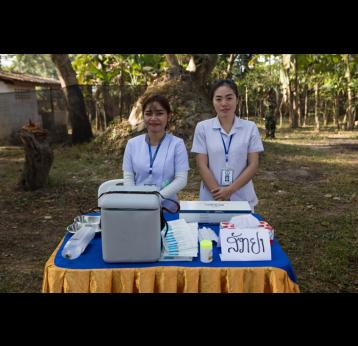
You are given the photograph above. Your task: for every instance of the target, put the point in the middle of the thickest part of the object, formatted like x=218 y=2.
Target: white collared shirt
x=172 y=157
x=246 y=139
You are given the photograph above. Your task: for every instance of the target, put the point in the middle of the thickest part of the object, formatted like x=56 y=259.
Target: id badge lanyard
x=152 y=158
x=226 y=149
x=227 y=174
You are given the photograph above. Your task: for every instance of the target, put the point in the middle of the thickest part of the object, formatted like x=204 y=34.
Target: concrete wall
x=6 y=87
x=16 y=108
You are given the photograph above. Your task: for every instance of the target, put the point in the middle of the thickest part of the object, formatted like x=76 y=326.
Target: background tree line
x=309 y=89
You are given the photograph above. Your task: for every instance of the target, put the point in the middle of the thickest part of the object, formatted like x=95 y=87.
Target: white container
x=212 y=211
x=206 y=251
x=78 y=242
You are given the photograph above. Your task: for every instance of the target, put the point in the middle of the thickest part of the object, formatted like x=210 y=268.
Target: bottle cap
x=206 y=244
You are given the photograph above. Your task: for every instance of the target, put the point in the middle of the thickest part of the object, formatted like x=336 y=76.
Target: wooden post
x=38 y=157
x=51 y=100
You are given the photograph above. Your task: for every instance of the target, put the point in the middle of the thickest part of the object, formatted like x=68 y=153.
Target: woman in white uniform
x=227 y=149
x=156 y=158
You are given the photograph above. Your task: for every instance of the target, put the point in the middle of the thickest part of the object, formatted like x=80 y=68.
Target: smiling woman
x=156 y=158
x=227 y=149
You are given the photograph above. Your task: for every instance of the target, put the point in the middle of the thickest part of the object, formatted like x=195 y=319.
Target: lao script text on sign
x=245 y=244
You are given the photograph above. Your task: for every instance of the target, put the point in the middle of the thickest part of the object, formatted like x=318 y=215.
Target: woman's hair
x=162 y=100
x=224 y=82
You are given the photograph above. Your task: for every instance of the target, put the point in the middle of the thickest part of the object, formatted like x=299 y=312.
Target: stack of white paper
x=181 y=241
x=250 y=221
x=245 y=221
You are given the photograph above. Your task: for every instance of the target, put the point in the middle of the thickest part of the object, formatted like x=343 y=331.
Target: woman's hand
x=222 y=193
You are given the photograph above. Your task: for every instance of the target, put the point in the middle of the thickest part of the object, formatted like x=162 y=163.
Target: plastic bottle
x=206 y=251
x=78 y=242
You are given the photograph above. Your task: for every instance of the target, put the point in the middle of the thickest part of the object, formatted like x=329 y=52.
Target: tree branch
x=172 y=60
x=230 y=65
x=202 y=65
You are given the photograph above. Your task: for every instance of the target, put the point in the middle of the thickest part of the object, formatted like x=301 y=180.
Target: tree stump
x=38 y=157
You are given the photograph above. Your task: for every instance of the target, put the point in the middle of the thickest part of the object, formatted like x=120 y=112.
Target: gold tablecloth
x=166 y=279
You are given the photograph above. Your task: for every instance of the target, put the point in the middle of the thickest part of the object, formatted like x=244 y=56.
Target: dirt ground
x=320 y=178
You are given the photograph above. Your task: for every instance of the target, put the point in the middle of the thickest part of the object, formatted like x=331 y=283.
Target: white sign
x=245 y=244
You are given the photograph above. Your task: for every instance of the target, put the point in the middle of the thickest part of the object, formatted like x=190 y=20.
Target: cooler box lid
x=131 y=198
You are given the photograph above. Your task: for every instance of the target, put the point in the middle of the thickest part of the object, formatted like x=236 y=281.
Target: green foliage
x=262 y=75
x=35 y=64
x=240 y=67
x=132 y=69
x=254 y=73
x=277 y=71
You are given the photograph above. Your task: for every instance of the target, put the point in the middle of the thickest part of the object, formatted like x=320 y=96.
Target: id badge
x=227 y=176
x=150 y=185
x=150 y=182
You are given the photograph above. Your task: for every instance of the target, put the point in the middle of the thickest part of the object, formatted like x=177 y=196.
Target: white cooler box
x=212 y=211
x=130 y=224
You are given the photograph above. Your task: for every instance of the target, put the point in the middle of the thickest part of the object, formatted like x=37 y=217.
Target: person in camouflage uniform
x=270 y=116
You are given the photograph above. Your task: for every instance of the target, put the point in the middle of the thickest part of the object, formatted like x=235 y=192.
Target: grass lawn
x=307 y=187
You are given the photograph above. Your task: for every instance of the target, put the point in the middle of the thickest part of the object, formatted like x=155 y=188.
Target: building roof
x=28 y=79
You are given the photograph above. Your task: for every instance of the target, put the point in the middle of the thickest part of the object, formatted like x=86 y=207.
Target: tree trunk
x=299 y=110
x=349 y=111
x=316 y=115
x=175 y=68
x=90 y=102
x=230 y=65
x=280 y=111
x=285 y=85
x=294 y=113
x=38 y=157
x=172 y=61
x=355 y=114
x=277 y=109
x=239 y=108
x=187 y=94
x=81 y=128
x=306 y=107
x=247 y=103
x=325 y=117
x=294 y=92
x=107 y=103
x=204 y=64
x=121 y=91
x=335 y=110
x=260 y=109
x=100 y=119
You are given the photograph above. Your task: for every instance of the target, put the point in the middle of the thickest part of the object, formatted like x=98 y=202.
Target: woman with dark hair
x=227 y=149
x=156 y=158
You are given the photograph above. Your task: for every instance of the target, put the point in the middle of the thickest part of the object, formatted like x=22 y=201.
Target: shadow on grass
x=310 y=197
x=306 y=194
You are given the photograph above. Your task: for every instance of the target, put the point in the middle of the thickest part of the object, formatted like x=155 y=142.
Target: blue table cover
x=91 y=258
